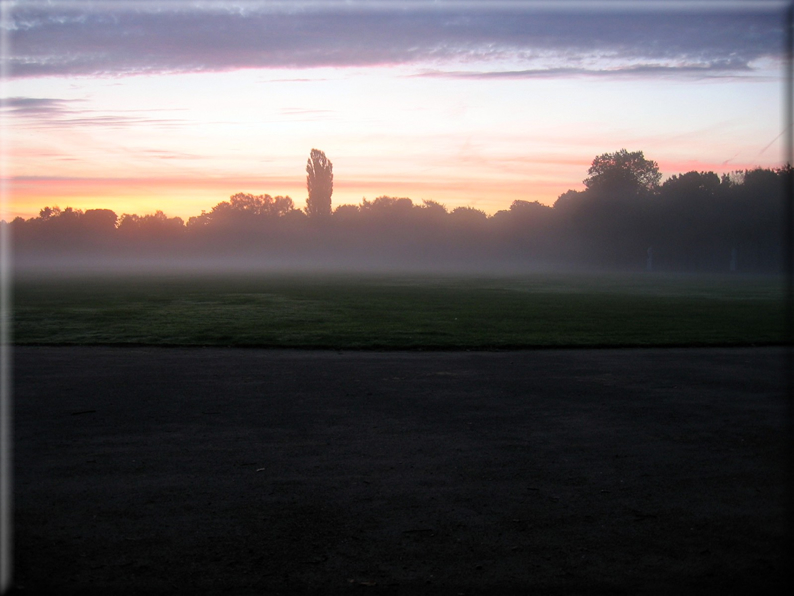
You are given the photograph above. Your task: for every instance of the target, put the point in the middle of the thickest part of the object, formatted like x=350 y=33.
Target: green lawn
x=401 y=312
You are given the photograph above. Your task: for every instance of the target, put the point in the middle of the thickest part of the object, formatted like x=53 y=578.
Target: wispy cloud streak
x=42 y=112
x=717 y=69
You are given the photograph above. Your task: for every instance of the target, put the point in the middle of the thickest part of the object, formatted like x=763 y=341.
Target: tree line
x=626 y=218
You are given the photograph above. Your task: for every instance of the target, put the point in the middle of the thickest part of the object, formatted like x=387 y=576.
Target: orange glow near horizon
x=186 y=197
x=182 y=143
x=176 y=197
x=189 y=197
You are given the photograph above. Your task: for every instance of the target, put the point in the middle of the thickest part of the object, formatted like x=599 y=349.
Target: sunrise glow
x=480 y=115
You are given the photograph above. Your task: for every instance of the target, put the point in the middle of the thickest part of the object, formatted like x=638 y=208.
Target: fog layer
x=624 y=220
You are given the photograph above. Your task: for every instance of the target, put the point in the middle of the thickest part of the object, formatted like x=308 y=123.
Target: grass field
x=401 y=312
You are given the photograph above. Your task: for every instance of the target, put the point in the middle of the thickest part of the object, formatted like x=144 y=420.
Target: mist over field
x=626 y=219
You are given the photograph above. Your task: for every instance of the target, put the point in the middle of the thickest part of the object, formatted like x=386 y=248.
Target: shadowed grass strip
x=401 y=312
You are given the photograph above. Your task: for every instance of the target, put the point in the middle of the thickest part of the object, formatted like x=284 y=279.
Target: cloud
x=138 y=38
x=40 y=112
x=34 y=106
x=716 y=69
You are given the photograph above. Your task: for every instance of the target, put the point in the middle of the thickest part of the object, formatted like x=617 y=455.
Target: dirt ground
x=232 y=471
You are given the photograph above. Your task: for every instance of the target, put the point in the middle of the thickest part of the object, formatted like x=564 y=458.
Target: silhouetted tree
x=243 y=210
x=568 y=201
x=346 y=212
x=100 y=220
x=146 y=228
x=49 y=212
x=759 y=217
x=391 y=207
x=320 y=183
x=434 y=207
x=529 y=210
x=623 y=173
x=469 y=215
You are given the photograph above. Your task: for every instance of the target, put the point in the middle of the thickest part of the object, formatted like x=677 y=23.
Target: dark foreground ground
x=227 y=471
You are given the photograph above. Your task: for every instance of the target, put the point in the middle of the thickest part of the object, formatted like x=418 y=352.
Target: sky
x=173 y=105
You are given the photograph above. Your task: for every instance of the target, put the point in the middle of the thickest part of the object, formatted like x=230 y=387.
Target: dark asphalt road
x=145 y=470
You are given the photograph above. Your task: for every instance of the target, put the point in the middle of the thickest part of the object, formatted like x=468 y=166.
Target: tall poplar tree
x=320 y=183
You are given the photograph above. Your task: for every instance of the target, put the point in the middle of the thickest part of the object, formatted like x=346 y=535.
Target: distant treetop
x=623 y=171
